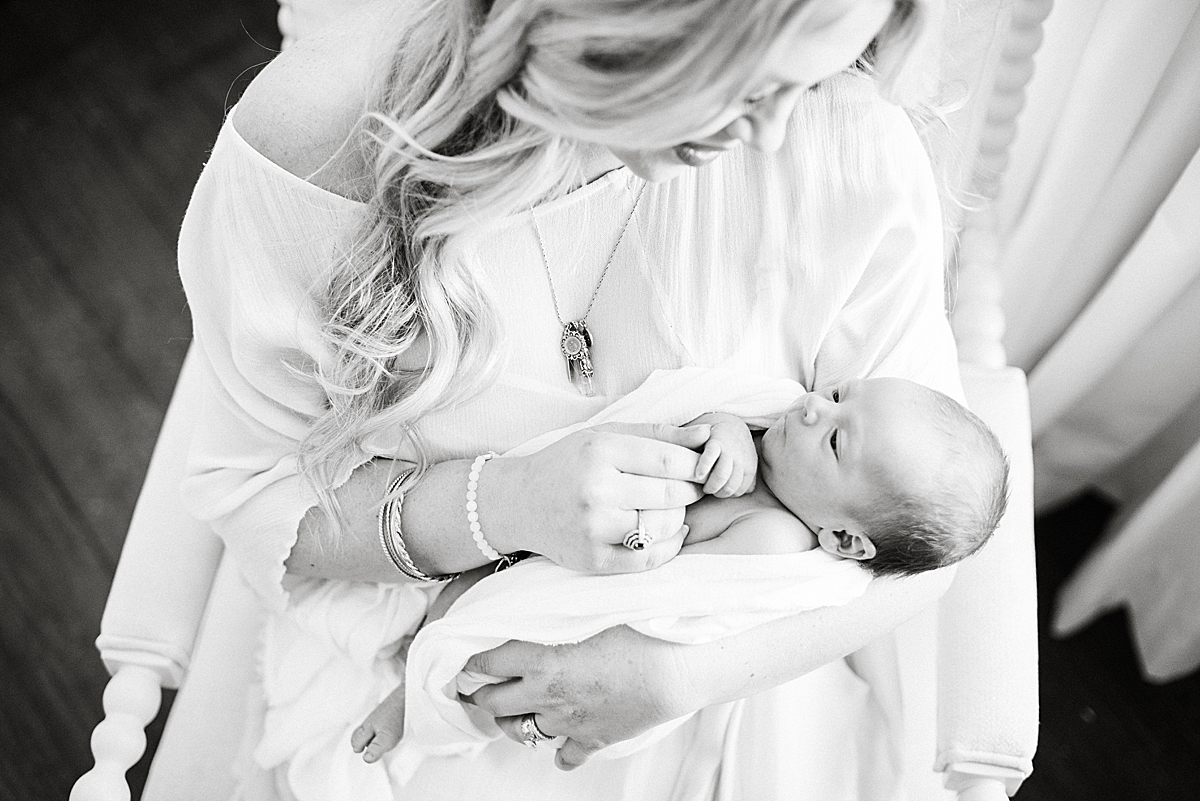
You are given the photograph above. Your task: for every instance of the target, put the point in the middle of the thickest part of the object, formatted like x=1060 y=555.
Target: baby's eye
x=837 y=395
x=833 y=441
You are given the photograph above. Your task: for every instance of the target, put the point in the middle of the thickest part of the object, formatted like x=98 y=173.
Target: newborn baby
x=884 y=471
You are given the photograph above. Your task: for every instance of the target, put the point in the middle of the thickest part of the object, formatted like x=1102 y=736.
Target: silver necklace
x=576 y=340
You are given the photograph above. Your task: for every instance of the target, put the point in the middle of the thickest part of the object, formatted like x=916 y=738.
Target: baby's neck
x=760 y=485
x=762 y=490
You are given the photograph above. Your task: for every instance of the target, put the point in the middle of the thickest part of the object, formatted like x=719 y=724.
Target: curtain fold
x=1100 y=216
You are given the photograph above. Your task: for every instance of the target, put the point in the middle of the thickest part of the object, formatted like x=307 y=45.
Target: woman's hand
x=606 y=689
x=576 y=500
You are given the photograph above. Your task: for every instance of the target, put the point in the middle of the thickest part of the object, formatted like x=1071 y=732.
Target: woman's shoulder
x=300 y=110
x=863 y=121
x=862 y=149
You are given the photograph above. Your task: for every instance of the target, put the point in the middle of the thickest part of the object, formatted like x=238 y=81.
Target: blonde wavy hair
x=480 y=115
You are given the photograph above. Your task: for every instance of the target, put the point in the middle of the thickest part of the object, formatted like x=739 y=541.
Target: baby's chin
x=769 y=444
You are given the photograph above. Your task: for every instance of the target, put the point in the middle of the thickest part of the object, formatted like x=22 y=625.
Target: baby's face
x=829 y=454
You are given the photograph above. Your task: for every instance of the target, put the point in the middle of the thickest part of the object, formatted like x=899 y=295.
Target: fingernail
x=685 y=529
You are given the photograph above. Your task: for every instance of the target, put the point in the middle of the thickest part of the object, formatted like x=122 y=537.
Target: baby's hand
x=729 y=464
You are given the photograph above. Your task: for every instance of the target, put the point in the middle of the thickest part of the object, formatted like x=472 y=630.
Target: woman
x=544 y=201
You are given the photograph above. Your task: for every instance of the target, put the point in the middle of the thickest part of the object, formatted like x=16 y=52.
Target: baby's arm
x=381 y=730
x=729 y=462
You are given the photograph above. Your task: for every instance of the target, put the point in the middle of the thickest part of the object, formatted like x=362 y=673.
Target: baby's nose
x=815 y=407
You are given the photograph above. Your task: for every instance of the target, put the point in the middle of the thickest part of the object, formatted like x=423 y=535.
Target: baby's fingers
x=708 y=458
x=719 y=477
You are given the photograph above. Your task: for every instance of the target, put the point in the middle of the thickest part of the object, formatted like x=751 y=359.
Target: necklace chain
x=546 y=260
x=576 y=341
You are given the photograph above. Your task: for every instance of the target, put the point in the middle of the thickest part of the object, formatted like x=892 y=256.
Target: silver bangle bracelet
x=391 y=536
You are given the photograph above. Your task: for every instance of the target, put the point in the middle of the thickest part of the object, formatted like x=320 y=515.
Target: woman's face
x=822 y=42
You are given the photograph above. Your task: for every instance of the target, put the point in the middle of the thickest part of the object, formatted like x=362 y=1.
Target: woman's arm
x=635 y=682
x=573 y=501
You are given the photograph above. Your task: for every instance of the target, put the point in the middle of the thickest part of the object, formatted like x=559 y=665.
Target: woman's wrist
x=438 y=515
x=683 y=685
x=500 y=480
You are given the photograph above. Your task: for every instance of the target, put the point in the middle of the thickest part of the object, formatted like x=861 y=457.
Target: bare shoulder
x=301 y=109
x=746 y=525
x=767 y=530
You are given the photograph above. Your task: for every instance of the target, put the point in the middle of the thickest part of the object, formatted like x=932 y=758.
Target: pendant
x=577 y=348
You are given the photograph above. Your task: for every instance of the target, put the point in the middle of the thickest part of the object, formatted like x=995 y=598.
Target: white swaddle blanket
x=330 y=661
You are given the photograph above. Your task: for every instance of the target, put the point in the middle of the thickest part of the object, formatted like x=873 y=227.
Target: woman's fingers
x=621 y=559
x=685 y=436
x=643 y=492
x=511 y=660
x=645 y=455
x=602 y=690
x=505 y=700
x=572 y=754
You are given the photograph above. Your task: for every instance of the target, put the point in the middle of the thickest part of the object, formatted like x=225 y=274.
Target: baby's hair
x=914 y=534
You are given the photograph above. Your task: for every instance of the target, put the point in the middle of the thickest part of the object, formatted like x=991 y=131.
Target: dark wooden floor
x=107 y=110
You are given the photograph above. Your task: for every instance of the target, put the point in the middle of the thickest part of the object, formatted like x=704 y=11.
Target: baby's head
x=889 y=472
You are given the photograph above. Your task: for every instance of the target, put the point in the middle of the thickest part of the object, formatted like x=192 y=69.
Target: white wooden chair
x=176 y=616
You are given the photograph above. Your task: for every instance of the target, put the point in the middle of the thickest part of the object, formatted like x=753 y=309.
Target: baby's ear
x=846 y=543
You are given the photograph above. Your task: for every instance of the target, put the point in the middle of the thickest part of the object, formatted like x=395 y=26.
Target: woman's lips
x=695 y=155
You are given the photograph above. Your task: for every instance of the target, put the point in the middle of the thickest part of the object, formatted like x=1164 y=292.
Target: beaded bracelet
x=484 y=546
x=392 y=538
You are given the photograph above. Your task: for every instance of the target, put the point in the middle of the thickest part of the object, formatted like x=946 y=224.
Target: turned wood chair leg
x=131 y=701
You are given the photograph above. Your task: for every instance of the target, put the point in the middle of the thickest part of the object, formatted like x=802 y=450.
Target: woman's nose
x=765 y=126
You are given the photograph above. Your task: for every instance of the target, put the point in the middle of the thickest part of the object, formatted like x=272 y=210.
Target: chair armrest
x=987 y=660
x=983 y=789
x=156 y=604
x=169 y=559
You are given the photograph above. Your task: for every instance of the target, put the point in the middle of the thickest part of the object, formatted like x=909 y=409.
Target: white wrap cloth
x=333 y=659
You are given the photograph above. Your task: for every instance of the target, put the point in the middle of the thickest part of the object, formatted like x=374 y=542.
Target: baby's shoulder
x=768 y=530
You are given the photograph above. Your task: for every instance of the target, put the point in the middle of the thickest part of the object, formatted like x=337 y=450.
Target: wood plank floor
x=107 y=111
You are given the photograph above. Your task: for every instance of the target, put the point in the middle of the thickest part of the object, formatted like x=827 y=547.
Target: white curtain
x=1100 y=219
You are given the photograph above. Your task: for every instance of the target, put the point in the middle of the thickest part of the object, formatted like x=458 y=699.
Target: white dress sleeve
x=251 y=249
x=894 y=321
x=822 y=262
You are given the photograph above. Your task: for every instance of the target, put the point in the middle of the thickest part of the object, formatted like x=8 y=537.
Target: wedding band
x=638 y=539
x=531 y=735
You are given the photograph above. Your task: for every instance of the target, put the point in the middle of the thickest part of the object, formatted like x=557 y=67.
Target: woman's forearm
x=769 y=655
x=573 y=501
x=434 y=526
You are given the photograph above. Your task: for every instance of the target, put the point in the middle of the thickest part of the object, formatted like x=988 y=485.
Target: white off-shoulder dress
x=818 y=263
